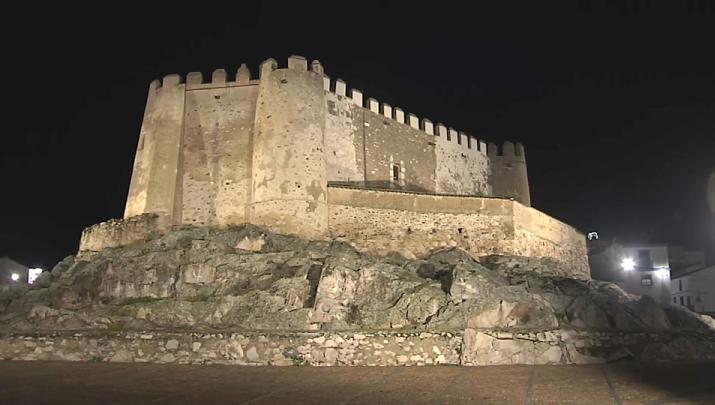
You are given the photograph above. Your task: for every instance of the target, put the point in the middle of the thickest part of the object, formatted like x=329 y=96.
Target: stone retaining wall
x=122 y=232
x=358 y=349
x=413 y=225
x=471 y=347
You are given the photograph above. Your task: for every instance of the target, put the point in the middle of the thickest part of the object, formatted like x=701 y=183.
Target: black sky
x=615 y=101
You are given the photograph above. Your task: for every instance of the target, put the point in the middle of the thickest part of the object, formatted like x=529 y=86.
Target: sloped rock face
x=505 y=310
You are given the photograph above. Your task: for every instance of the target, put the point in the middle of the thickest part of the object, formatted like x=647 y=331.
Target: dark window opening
x=396 y=172
x=680 y=285
x=644 y=259
x=675 y=300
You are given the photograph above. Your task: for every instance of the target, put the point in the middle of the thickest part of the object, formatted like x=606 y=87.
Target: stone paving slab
x=133 y=383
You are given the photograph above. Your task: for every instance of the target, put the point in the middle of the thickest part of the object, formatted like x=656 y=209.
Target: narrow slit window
x=395 y=172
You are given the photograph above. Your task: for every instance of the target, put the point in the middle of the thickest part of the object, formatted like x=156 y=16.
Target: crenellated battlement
x=209 y=146
x=196 y=80
x=242 y=77
x=508 y=150
x=401 y=116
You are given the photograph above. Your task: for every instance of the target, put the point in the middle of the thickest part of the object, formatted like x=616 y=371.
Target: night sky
x=615 y=102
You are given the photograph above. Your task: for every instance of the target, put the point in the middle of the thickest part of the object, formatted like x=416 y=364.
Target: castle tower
x=289 y=180
x=155 y=181
x=509 y=178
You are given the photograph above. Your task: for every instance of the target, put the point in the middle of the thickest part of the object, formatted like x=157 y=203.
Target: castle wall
x=217 y=152
x=430 y=158
x=461 y=167
x=413 y=225
x=155 y=179
x=509 y=177
x=195 y=158
x=540 y=235
x=344 y=148
x=289 y=180
x=387 y=143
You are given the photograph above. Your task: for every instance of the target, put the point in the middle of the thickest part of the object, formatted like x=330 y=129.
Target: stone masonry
x=281 y=151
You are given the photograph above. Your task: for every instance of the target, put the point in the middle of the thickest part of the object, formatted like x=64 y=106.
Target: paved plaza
x=127 y=383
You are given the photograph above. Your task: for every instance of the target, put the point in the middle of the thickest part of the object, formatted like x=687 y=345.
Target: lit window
x=647 y=280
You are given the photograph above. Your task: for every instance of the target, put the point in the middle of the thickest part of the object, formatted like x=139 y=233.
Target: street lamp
x=14 y=276
x=628 y=264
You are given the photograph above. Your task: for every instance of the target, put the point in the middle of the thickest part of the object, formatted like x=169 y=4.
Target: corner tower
x=509 y=178
x=289 y=180
x=155 y=179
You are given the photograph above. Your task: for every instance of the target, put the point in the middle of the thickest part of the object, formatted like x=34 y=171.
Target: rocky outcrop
x=502 y=310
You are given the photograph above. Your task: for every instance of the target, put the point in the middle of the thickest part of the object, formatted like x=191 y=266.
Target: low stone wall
x=413 y=225
x=122 y=232
x=471 y=347
x=357 y=349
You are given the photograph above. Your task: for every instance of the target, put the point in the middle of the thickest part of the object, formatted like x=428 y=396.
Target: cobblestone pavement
x=126 y=383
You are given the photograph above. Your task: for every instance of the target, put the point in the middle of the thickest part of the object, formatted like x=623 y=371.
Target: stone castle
x=299 y=154
x=261 y=226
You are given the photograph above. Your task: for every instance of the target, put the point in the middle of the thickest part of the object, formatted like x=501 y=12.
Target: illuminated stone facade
x=300 y=154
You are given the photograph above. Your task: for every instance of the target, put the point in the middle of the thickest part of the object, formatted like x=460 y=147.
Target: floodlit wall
x=231 y=150
x=367 y=139
x=289 y=179
x=218 y=131
x=414 y=225
x=227 y=150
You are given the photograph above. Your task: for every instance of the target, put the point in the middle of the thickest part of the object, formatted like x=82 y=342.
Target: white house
x=641 y=269
x=645 y=270
x=695 y=290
